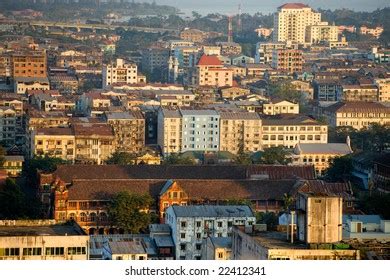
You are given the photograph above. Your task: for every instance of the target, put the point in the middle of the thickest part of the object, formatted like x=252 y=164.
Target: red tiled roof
x=211 y=60
x=293 y=6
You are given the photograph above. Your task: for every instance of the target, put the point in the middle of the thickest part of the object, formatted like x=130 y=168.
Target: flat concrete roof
x=49 y=230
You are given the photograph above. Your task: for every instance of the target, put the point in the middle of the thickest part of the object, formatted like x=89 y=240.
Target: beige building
x=211 y=72
x=291 y=20
x=319 y=155
x=289 y=130
x=129 y=130
x=240 y=131
x=120 y=72
x=276 y=107
x=55 y=142
x=357 y=114
x=24 y=84
x=169 y=131
x=217 y=248
x=42 y=240
x=233 y=92
x=250 y=244
x=319 y=218
x=383 y=86
x=95 y=143
x=367 y=93
x=321 y=32
x=193 y=35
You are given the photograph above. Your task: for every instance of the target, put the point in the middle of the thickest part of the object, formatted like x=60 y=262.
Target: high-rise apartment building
x=291 y=20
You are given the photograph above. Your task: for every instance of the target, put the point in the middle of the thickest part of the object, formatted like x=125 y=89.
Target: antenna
x=230 y=29
x=239 y=24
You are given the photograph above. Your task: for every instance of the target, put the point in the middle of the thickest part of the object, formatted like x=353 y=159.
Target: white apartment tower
x=291 y=20
x=119 y=72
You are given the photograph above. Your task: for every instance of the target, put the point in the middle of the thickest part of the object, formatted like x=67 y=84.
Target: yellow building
x=383 y=89
x=278 y=106
x=319 y=154
x=193 y=35
x=291 y=20
x=289 y=130
x=55 y=142
x=211 y=72
x=357 y=114
x=13 y=165
x=240 y=130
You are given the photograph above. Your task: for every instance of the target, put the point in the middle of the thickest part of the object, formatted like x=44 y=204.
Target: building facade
x=120 y=72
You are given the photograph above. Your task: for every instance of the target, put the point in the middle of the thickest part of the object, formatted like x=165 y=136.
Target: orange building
x=289 y=60
x=29 y=64
x=211 y=72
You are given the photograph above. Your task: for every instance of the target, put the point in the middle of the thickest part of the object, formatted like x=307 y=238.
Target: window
x=198 y=247
x=182 y=247
x=183 y=224
x=9 y=252
x=219 y=224
x=32 y=251
x=198 y=236
x=220 y=255
x=182 y=235
x=198 y=224
x=76 y=251
x=83 y=217
x=54 y=251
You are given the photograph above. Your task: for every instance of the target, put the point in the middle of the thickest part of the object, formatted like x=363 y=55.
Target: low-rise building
x=42 y=240
x=13 y=165
x=367 y=93
x=191 y=224
x=289 y=130
x=277 y=107
x=24 y=84
x=320 y=155
x=217 y=248
x=233 y=92
x=254 y=245
x=364 y=227
x=357 y=114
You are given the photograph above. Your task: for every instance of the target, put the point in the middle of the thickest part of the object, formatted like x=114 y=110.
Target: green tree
x=122 y=158
x=288 y=202
x=2 y=154
x=242 y=157
x=129 y=211
x=275 y=155
x=175 y=158
x=376 y=203
x=43 y=163
x=340 y=169
x=268 y=218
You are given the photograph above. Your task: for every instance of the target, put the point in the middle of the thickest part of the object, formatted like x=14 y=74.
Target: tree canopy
x=130 y=211
x=340 y=169
x=275 y=155
x=15 y=204
x=122 y=158
x=178 y=159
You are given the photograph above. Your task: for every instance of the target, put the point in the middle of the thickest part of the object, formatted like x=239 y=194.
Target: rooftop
x=126 y=247
x=324 y=148
x=294 y=6
x=209 y=60
x=212 y=211
x=38 y=228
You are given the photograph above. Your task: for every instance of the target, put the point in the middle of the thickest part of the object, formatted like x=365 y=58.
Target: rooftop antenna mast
x=230 y=29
